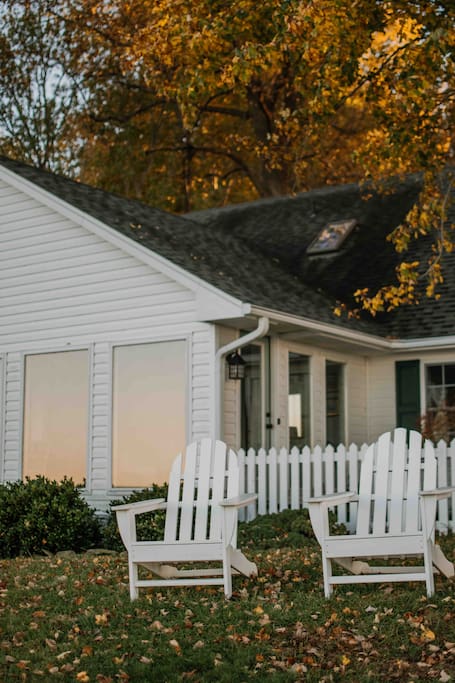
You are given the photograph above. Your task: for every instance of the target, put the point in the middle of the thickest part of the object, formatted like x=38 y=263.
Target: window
x=56 y=415
x=149 y=409
x=299 y=400
x=331 y=237
x=334 y=391
x=440 y=400
x=252 y=398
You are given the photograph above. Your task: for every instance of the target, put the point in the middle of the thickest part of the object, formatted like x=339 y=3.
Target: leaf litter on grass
x=72 y=620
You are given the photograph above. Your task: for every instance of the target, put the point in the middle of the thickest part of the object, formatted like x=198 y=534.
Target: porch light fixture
x=236 y=366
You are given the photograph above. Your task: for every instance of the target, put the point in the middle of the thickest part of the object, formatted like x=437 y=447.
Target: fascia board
x=207 y=295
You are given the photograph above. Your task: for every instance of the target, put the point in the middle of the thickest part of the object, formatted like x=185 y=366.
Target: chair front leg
x=228 y=528
x=133 y=577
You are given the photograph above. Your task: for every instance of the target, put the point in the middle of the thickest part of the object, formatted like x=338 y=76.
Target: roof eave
x=363 y=339
x=355 y=337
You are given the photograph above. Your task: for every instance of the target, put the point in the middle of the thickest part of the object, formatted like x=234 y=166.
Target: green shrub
x=149 y=526
x=288 y=528
x=39 y=515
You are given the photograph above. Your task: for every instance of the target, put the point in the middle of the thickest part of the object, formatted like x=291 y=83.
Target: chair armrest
x=439 y=494
x=239 y=501
x=333 y=498
x=141 y=506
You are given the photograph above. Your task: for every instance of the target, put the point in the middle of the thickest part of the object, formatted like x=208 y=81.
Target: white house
x=116 y=320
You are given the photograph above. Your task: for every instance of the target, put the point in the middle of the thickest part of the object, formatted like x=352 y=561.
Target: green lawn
x=71 y=619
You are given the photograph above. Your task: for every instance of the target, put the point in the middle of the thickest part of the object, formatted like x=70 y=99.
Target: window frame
x=344 y=394
x=187 y=339
x=48 y=350
x=425 y=409
x=264 y=352
x=311 y=408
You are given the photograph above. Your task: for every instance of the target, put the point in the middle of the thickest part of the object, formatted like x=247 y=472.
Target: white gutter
x=423 y=344
x=260 y=331
x=363 y=338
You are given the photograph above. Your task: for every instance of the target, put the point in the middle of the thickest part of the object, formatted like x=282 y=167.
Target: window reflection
x=56 y=415
x=299 y=400
x=440 y=400
x=149 y=386
x=334 y=377
x=251 y=406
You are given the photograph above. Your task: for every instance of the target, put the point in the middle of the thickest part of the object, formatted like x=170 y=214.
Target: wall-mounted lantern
x=236 y=366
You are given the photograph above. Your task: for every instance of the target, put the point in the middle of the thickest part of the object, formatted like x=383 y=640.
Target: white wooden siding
x=100 y=428
x=231 y=394
x=356 y=408
x=63 y=287
x=13 y=410
x=201 y=384
x=60 y=283
x=381 y=396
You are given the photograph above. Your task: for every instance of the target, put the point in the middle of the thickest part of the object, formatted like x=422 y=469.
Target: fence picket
x=316 y=461
x=283 y=471
x=262 y=482
x=296 y=484
x=452 y=483
x=443 y=507
x=341 y=466
x=307 y=489
x=329 y=470
x=273 y=481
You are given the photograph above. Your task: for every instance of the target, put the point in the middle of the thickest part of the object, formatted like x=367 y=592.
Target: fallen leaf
x=428 y=634
x=175 y=645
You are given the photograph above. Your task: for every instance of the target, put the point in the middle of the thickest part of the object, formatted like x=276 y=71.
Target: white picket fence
x=286 y=480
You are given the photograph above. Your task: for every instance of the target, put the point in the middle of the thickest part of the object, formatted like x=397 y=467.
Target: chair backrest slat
x=218 y=488
x=397 y=483
x=381 y=484
x=414 y=483
x=188 y=493
x=430 y=472
x=173 y=495
x=365 y=491
x=203 y=490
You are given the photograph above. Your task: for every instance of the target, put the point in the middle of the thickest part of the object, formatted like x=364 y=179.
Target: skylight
x=331 y=237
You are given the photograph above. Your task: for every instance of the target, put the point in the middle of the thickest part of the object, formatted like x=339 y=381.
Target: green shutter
x=407 y=381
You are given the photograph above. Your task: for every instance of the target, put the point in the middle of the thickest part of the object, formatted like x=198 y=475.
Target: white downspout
x=260 y=331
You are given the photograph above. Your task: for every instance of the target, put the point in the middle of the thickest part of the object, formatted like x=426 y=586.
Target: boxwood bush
x=39 y=515
x=149 y=526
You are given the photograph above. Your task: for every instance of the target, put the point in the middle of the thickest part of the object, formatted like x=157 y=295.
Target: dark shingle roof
x=284 y=227
x=256 y=251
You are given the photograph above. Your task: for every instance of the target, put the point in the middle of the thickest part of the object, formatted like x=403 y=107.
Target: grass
x=70 y=619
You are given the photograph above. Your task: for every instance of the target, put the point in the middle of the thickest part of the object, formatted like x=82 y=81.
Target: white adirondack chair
x=201 y=523
x=396 y=515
